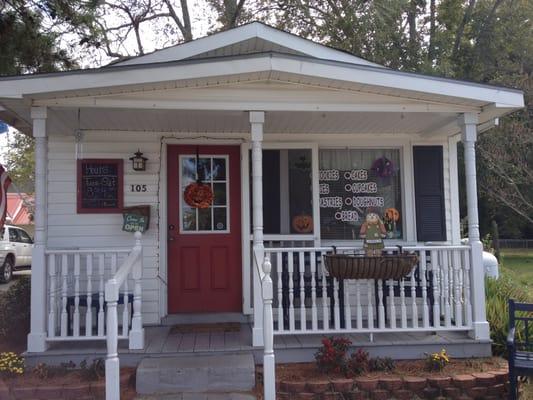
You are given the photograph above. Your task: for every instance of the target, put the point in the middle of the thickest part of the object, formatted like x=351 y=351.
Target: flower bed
x=461 y=379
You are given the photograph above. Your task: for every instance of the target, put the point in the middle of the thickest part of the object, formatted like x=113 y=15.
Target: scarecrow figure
x=373 y=231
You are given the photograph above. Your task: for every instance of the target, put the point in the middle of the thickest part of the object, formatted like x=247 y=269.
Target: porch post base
x=37 y=342
x=136 y=339
x=481 y=331
x=257 y=337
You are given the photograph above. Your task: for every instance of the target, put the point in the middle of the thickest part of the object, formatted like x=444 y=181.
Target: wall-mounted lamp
x=138 y=161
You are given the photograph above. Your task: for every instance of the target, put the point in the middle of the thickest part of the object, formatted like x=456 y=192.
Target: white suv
x=15 y=251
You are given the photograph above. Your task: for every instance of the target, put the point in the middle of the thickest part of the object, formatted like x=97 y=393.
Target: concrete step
x=211 y=373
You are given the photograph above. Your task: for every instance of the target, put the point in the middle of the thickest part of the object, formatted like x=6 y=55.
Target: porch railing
x=435 y=296
x=88 y=289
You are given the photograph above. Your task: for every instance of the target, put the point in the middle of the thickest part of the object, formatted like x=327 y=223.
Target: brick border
x=464 y=387
x=90 y=390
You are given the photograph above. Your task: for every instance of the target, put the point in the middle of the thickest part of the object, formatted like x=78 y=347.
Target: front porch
x=161 y=342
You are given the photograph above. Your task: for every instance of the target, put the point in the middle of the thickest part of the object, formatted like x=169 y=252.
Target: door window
x=212 y=171
x=13 y=235
x=24 y=237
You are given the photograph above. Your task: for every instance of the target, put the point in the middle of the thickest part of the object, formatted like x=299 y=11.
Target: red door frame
x=212 y=289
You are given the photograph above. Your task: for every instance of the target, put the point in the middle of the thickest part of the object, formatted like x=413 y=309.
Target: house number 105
x=138 y=188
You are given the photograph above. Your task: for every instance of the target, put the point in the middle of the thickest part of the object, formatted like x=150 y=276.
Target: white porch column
x=37 y=336
x=468 y=122
x=257 y=119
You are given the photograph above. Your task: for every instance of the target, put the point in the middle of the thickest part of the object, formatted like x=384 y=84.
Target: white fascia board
x=242 y=33
x=109 y=78
x=386 y=78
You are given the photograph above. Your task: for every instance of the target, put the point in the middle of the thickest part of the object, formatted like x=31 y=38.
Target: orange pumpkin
x=392 y=214
x=198 y=195
x=302 y=223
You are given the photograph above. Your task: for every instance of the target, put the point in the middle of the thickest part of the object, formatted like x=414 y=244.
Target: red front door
x=204 y=245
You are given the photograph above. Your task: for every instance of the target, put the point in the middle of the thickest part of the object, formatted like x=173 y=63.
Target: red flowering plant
x=331 y=357
x=358 y=362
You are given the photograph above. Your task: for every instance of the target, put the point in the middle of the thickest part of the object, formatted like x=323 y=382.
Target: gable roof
x=255 y=37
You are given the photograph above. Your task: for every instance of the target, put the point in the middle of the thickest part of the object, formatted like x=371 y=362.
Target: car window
x=24 y=237
x=13 y=235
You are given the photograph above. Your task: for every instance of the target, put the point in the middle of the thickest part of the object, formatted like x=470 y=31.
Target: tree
x=19 y=161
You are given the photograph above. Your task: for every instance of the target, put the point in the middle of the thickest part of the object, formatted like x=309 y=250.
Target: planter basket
x=347 y=266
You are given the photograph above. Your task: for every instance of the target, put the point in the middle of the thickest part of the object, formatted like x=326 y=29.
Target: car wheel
x=6 y=271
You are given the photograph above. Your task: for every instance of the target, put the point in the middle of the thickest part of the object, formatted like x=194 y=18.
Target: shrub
x=381 y=364
x=94 y=370
x=331 y=357
x=15 y=312
x=358 y=362
x=437 y=361
x=497 y=294
x=44 y=371
x=11 y=364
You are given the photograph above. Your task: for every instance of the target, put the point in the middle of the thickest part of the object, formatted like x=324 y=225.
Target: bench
x=519 y=344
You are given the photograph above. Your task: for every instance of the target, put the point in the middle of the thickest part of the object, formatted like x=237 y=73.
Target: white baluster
x=370 y=306
x=358 y=308
x=435 y=268
x=64 y=295
x=292 y=325
x=279 y=268
x=314 y=313
x=101 y=271
x=301 y=269
x=76 y=317
x=336 y=308
x=446 y=290
x=381 y=308
x=403 y=308
x=325 y=309
x=125 y=310
x=392 y=306
x=414 y=308
x=347 y=307
x=114 y=261
x=457 y=268
x=89 y=312
x=468 y=304
x=425 y=310
x=53 y=303
x=112 y=363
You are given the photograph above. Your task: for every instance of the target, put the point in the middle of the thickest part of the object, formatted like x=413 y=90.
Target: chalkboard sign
x=100 y=186
x=136 y=218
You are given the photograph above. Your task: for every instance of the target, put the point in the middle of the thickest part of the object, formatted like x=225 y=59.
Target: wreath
x=198 y=195
x=383 y=167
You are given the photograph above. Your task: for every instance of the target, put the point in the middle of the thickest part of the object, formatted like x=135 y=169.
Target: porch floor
x=160 y=342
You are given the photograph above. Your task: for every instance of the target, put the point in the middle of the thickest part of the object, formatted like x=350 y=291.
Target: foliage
x=44 y=371
x=11 y=364
x=15 y=312
x=331 y=356
x=497 y=294
x=437 y=361
x=93 y=370
x=358 y=362
x=381 y=364
x=20 y=161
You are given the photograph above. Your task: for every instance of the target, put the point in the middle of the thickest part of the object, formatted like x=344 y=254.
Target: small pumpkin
x=392 y=214
x=198 y=195
x=302 y=223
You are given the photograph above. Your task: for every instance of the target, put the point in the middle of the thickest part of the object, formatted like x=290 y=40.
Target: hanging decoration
x=198 y=194
x=302 y=223
x=383 y=167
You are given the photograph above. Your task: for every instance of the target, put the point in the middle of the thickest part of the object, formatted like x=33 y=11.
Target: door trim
x=243 y=143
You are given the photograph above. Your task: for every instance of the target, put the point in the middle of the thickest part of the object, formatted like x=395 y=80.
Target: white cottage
x=297 y=141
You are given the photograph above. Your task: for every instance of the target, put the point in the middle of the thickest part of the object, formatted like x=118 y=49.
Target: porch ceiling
x=65 y=121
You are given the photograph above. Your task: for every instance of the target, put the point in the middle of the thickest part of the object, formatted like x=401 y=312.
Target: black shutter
x=429 y=193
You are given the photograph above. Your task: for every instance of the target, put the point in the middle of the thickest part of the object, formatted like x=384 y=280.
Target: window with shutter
x=429 y=193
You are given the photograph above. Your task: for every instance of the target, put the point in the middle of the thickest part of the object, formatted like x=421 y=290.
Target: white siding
x=67 y=229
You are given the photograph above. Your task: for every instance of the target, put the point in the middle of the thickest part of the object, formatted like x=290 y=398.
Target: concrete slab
x=196 y=374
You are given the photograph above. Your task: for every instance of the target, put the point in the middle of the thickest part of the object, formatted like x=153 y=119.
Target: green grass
x=521 y=263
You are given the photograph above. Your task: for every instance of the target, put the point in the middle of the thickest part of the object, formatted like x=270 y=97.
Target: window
x=287 y=192
x=14 y=235
x=213 y=171
x=24 y=237
x=353 y=182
